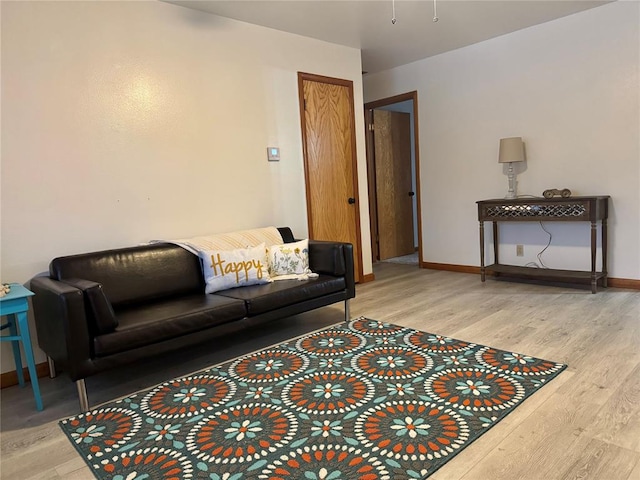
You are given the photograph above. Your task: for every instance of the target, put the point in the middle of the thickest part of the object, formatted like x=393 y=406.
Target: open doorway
x=393 y=179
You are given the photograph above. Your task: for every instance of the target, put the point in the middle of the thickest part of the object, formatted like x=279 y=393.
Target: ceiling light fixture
x=393 y=12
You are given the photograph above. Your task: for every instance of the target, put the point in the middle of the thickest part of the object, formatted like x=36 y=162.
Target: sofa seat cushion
x=271 y=296
x=166 y=319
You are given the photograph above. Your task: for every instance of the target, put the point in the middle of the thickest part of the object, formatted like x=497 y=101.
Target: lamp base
x=511 y=175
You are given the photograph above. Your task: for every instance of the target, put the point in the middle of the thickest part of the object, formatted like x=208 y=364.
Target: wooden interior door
x=328 y=134
x=394 y=204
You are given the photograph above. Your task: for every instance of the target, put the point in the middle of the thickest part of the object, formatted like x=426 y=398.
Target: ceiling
x=366 y=24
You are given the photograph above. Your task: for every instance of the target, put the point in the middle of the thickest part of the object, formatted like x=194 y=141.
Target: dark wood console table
x=571 y=209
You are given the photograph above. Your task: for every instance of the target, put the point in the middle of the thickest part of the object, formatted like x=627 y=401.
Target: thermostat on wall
x=273 y=154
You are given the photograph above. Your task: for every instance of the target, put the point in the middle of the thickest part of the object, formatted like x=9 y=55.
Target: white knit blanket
x=229 y=241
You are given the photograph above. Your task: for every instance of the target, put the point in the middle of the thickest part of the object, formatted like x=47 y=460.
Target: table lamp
x=511 y=150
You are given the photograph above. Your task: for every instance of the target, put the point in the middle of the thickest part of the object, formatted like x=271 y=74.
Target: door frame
x=371 y=181
x=302 y=76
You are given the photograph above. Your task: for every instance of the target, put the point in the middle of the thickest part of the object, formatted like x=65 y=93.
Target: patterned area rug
x=363 y=400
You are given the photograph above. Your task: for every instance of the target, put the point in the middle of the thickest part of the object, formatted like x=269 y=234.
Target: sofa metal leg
x=347 y=311
x=82 y=395
x=52 y=367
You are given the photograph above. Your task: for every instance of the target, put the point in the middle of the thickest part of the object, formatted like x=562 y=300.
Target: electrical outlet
x=520 y=250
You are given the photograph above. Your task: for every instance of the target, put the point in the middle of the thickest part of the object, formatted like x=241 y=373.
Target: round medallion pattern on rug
x=516 y=363
x=326 y=462
x=436 y=343
x=163 y=462
x=475 y=389
x=327 y=393
x=188 y=396
x=274 y=365
x=412 y=430
x=331 y=342
x=391 y=362
x=242 y=434
x=374 y=327
x=104 y=430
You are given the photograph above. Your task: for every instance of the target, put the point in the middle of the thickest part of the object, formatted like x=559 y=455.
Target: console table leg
x=593 y=257
x=496 y=260
x=603 y=233
x=482 y=269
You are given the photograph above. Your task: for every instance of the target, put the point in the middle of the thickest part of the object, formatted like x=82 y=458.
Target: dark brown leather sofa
x=100 y=310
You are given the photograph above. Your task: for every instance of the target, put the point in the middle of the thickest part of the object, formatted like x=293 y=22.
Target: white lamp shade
x=511 y=150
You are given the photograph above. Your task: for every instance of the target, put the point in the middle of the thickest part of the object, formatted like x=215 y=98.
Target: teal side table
x=15 y=306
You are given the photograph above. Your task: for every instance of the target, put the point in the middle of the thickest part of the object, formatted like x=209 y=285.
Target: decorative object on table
x=14 y=305
x=363 y=399
x=552 y=192
x=5 y=288
x=511 y=151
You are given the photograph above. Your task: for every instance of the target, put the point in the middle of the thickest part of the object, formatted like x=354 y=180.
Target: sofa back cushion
x=135 y=274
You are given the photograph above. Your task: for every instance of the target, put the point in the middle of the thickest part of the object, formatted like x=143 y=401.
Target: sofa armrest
x=333 y=258
x=98 y=306
x=61 y=325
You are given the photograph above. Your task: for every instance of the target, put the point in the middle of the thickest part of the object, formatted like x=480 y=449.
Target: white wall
x=571 y=89
x=124 y=122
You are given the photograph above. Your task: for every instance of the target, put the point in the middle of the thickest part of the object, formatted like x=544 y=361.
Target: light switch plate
x=273 y=154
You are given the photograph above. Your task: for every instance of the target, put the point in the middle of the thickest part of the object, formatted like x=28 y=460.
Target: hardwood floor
x=584 y=425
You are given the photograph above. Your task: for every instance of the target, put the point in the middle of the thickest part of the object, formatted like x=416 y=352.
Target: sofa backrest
x=286 y=234
x=135 y=274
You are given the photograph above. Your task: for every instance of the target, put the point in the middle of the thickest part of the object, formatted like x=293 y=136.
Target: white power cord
x=542 y=265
